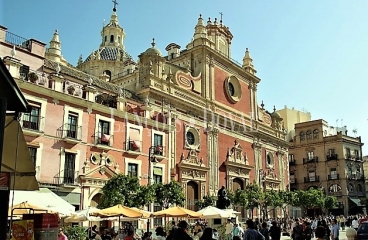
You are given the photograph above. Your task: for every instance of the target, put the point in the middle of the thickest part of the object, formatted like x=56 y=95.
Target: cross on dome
x=115 y=3
x=153 y=42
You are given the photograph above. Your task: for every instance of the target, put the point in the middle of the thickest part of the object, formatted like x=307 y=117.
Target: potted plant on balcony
x=32 y=77
x=71 y=89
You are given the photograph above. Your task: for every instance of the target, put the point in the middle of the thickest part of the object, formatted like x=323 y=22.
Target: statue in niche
x=223 y=202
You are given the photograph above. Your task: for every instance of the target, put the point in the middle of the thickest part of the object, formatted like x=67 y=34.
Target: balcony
x=333 y=177
x=32 y=125
x=310 y=160
x=292 y=162
x=361 y=194
x=103 y=141
x=69 y=178
x=133 y=147
x=72 y=133
x=331 y=157
x=336 y=194
x=311 y=179
x=158 y=152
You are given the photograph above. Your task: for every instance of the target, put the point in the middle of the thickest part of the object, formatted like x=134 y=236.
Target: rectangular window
x=158 y=143
x=132 y=170
x=157 y=174
x=157 y=221
x=69 y=169
x=104 y=132
x=333 y=173
x=72 y=125
x=33 y=153
x=347 y=153
x=292 y=178
x=31 y=120
x=331 y=152
x=310 y=155
x=291 y=157
x=312 y=176
x=356 y=154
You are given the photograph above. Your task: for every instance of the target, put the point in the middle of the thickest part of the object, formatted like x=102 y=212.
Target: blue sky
x=310 y=54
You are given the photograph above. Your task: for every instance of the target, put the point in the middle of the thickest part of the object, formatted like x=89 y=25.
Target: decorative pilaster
x=121 y=103
x=14 y=66
x=257 y=147
x=211 y=182
x=215 y=132
x=57 y=81
x=90 y=93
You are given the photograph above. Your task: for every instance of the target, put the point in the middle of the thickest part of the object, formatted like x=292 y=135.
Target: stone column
x=216 y=158
x=90 y=93
x=58 y=81
x=210 y=161
x=14 y=66
x=257 y=147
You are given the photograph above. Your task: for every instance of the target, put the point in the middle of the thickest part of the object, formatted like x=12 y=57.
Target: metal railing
x=333 y=177
x=32 y=122
x=336 y=194
x=292 y=162
x=293 y=181
x=133 y=145
x=16 y=40
x=103 y=139
x=68 y=177
x=351 y=176
x=72 y=131
x=310 y=160
x=332 y=157
x=311 y=179
x=159 y=150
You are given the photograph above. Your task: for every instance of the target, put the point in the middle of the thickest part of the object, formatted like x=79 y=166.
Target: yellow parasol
x=118 y=210
x=145 y=214
x=25 y=208
x=177 y=212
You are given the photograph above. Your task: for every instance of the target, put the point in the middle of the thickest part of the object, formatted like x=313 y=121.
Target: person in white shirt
x=229 y=229
x=355 y=223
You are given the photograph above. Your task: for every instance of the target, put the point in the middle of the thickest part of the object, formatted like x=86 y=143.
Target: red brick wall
x=220 y=95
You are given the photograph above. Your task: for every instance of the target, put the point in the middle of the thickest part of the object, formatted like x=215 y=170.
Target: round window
x=190 y=138
x=231 y=89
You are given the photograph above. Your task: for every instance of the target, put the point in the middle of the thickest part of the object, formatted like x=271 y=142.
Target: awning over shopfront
x=357 y=202
x=44 y=198
x=16 y=158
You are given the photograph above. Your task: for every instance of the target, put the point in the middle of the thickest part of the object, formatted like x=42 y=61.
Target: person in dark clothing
x=181 y=232
x=275 y=231
x=207 y=234
x=264 y=231
x=307 y=231
x=297 y=231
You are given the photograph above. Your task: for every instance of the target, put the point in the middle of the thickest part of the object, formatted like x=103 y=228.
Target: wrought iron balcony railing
x=310 y=160
x=72 y=131
x=311 y=179
x=32 y=122
x=333 y=177
x=331 y=157
x=103 y=139
x=133 y=145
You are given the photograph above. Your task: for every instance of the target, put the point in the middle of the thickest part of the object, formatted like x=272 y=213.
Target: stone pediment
x=98 y=173
x=236 y=158
x=192 y=161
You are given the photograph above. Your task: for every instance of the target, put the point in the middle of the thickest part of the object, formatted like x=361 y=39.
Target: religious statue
x=223 y=202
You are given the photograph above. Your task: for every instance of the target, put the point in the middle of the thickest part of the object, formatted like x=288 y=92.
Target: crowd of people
x=321 y=228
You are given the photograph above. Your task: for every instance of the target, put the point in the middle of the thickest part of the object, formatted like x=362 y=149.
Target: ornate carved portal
x=237 y=165
x=192 y=168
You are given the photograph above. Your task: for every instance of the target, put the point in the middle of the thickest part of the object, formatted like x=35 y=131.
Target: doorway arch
x=96 y=200
x=238 y=184
x=192 y=195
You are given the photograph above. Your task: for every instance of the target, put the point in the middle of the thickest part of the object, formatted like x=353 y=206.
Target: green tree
x=272 y=199
x=310 y=199
x=120 y=189
x=207 y=201
x=254 y=195
x=330 y=202
x=75 y=232
x=169 y=194
x=288 y=199
x=145 y=194
x=240 y=198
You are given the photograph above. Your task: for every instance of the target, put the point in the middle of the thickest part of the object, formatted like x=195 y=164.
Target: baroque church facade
x=194 y=110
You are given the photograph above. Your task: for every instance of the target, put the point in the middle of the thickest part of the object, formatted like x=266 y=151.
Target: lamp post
x=151 y=152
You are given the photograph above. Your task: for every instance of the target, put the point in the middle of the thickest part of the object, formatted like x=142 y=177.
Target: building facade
x=195 y=110
x=325 y=157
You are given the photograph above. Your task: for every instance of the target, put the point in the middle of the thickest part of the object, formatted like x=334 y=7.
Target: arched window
x=359 y=188
x=309 y=134
x=111 y=38
x=302 y=136
x=351 y=187
x=315 y=133
x=335 y=188
x=269 y=159
x=96 y=200
x=108 y=73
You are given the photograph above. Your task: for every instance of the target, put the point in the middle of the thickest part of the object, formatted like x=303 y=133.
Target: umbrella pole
x=119 y=224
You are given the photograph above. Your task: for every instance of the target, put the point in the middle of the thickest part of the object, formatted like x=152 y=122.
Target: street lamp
x=151 y=159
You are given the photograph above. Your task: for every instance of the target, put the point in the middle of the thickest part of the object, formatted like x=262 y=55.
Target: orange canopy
x=177 y=212
x=118 y=210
